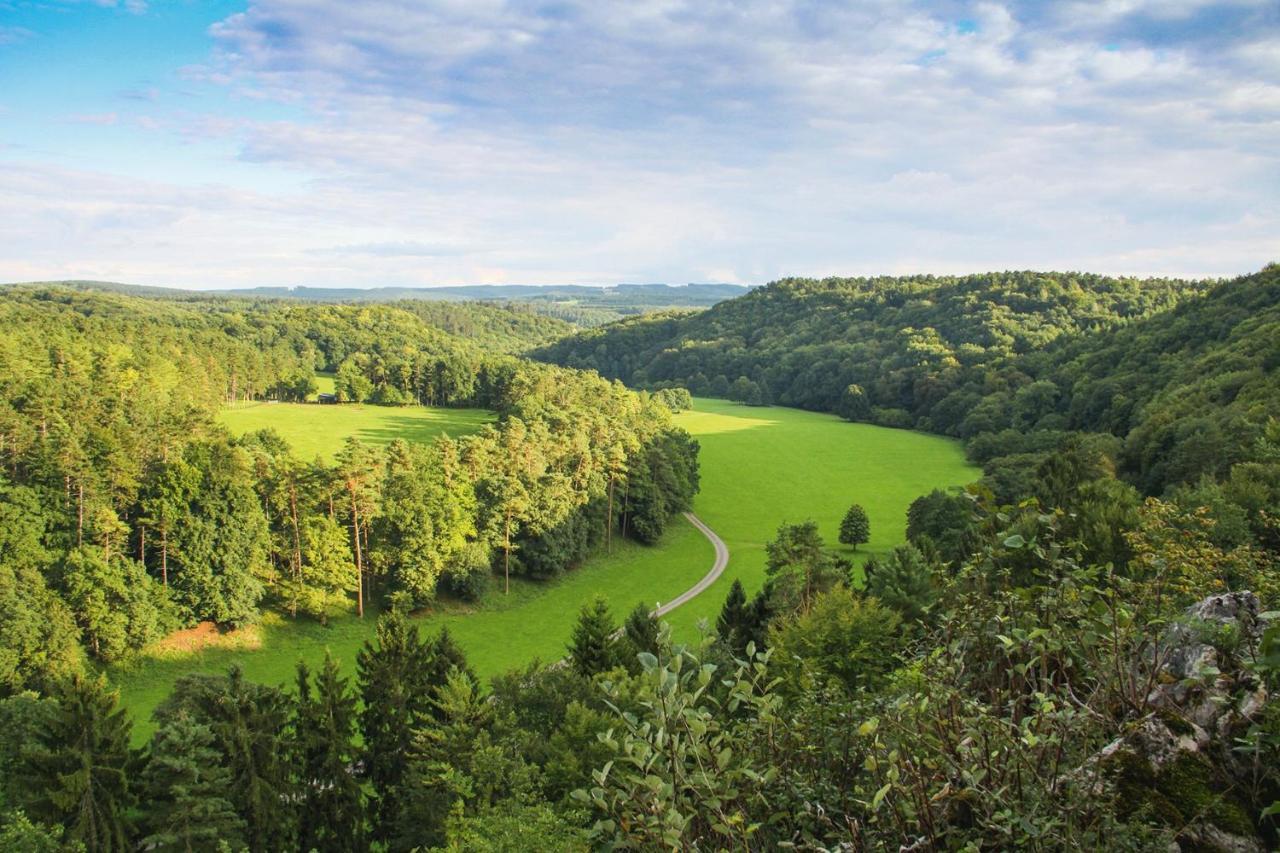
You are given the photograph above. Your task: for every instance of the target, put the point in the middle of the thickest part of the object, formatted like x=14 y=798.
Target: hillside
x=982 y=356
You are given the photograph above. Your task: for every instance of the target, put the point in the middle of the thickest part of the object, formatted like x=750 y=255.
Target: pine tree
x=904 y=581
x=732 y=623
x=331 y=816
x=855 y=529
x=77 y=766
x=594 y=648
x=641 y=631
x=393 y=678
x=441 y=771
x=249 y=723
x=187 y=791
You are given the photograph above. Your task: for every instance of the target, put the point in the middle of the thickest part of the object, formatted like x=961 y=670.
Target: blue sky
x=229 y=144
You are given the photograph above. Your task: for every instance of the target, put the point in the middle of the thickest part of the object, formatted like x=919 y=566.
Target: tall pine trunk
x=355 y=535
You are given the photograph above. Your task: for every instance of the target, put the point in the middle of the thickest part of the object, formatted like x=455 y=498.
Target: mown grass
x=760 y=467
x=314 y=430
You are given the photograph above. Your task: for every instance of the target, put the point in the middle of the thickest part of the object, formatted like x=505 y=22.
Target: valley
x=760 y=467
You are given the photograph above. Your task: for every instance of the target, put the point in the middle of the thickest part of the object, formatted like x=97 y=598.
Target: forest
x=1076 y=652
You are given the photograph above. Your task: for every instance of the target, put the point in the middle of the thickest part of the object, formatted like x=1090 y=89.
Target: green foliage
x=187 y=790
x=943 y=524
x=399 y=680
x=595 y=647
x=250 y=727
x=39 y=640
x=682 y=773
x=903 y=581
x=19 y=834
x=798 y=566
x=331 y=807
x=640 y=631
x=845 y=637
x=855 y=527
x=741 y=623
x=77 y=767
x=510 y=827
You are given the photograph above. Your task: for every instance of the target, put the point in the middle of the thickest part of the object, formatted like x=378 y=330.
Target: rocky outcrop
x=1176 y=764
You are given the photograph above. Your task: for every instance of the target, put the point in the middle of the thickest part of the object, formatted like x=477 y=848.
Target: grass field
x=760 y=467
x=313 y=430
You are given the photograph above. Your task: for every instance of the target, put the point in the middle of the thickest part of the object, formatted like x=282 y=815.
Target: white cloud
x=604 y=141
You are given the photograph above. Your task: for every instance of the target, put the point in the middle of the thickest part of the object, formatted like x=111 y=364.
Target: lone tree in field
x=856 y=527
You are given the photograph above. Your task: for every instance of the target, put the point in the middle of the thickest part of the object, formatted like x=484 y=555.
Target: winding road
x=717 y=568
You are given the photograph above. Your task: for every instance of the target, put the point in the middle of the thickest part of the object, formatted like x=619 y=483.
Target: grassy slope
x=314 y=430
x=759 y=467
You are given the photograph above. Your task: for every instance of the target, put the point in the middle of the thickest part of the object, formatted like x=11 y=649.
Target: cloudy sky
x=332 y=142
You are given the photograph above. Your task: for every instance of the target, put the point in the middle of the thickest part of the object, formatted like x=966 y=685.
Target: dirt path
x=717 y=568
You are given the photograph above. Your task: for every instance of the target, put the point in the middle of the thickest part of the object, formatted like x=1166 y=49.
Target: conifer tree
x=732 y=621
x=641 y=631
x=392 y=675
x=249 y=724
x=187 y=791
x=902 y=580
x=77 y=767
x=331 y=813
x=594 y=648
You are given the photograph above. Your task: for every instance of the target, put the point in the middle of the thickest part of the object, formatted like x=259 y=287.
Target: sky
x=337 y=143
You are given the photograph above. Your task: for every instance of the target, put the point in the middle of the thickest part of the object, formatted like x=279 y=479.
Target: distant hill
x=583 y=305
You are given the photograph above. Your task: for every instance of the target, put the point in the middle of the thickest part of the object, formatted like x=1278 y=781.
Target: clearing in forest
x=318 y=430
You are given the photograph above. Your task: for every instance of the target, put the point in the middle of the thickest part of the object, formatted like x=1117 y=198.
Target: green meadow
x=760 y=467
x=314 y=430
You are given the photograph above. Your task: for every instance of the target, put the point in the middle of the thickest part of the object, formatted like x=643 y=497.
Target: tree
x=732 y=622
x=220 y=541
x=39 y=638
x=398 y=677
x=250 y=724
x=641 y=630
x=854 y=405
x=187 y=790
x=594 y=647
x=843 y=637
x=855 y=528
x=332 y=804
x=903 y=580
x=328 y=573
x=77 y=767
x=798 y=567
x=943 y=524
x=357 y=473
x=350 y=383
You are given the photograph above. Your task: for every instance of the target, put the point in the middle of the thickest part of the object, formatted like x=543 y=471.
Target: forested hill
x=1182 y=370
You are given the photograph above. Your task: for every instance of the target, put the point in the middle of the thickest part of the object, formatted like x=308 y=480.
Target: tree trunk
x=297 y=548
x=164 y=555
x=142 y=545
x=80 y=512
x=608 y=522
x=506 y=555
x=355 y=535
